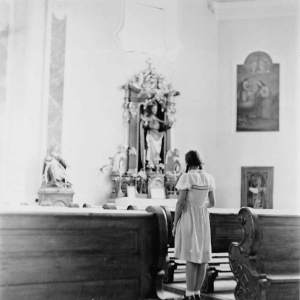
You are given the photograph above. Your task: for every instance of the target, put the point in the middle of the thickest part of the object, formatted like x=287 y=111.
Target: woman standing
x=191 y=223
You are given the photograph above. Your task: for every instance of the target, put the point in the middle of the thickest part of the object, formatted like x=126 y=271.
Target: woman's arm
x=211 y=199
x=180 y=205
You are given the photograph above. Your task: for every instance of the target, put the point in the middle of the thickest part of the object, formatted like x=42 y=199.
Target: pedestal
x=54 y=196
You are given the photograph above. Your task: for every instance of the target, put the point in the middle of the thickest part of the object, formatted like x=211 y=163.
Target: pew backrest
x=65 y=253
x=273 y=238
x=270 y=248
x=224 y=229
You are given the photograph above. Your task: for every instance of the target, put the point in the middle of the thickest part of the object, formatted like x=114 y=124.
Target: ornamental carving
x=244 y=261
x=149 y=116
x=171 y=111
x=152 y=85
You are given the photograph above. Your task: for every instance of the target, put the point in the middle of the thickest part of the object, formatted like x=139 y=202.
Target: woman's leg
x=201 y=272
x=191 y=276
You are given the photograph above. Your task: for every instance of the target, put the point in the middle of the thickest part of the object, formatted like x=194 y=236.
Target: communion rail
x=266 y=262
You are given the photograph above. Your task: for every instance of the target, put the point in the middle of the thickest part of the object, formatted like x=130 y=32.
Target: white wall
x=96 y=70
x=201 y=60
x=20 y=151
x=279 y=37
x=196 y=72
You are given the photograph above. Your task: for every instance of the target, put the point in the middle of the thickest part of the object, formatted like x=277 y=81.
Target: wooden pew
x=266 y=262
x=225 y=229
x=64 y=253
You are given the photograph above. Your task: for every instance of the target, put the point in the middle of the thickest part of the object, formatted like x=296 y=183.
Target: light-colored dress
x=192 y=237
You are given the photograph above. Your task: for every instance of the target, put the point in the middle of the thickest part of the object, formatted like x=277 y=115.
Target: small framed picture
x=257 y=187
x=158 y=193
x=131 y=191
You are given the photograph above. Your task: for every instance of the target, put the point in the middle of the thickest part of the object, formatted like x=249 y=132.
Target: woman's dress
x=192 y=237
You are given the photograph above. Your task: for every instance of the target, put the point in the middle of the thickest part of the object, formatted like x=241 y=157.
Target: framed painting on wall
x=257 y=94
x=257 y=187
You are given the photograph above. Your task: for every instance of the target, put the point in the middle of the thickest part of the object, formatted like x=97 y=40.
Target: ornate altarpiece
x=134 y=163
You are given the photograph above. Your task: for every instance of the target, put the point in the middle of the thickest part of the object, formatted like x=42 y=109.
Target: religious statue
x=151 y=136
x=149 y=119
x=54 y=171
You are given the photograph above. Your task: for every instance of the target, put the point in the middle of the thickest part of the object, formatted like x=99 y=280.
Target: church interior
x=100 y=101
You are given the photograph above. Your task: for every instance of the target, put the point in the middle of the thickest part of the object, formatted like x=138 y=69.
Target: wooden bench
x=72 y=253
x=225 y=229
x=266 y=262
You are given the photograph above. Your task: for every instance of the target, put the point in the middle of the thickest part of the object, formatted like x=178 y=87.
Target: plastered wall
x=197 y=52
x=279 y=37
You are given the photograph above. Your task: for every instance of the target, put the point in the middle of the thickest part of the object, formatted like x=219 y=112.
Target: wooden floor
x=223 y=289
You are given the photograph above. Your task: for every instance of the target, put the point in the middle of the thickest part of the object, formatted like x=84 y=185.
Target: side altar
x=148 y=159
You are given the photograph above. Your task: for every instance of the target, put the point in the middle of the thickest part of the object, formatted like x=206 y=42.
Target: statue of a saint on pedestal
x=55 y=170
x=152 y=131
x=56 y=190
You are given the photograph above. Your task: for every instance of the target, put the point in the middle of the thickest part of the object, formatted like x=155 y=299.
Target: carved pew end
x=266 y=262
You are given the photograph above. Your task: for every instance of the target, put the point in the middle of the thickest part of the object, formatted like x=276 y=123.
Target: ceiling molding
x=246 y=9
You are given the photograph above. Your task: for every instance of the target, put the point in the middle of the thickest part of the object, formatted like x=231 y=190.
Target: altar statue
x=54 y=171
x=152 y=131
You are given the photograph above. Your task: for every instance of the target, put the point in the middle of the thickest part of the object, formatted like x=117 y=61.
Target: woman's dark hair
x=192 y=159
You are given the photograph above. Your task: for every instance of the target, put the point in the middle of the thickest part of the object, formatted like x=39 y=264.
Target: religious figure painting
x=257 y=187
x=258 y=94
